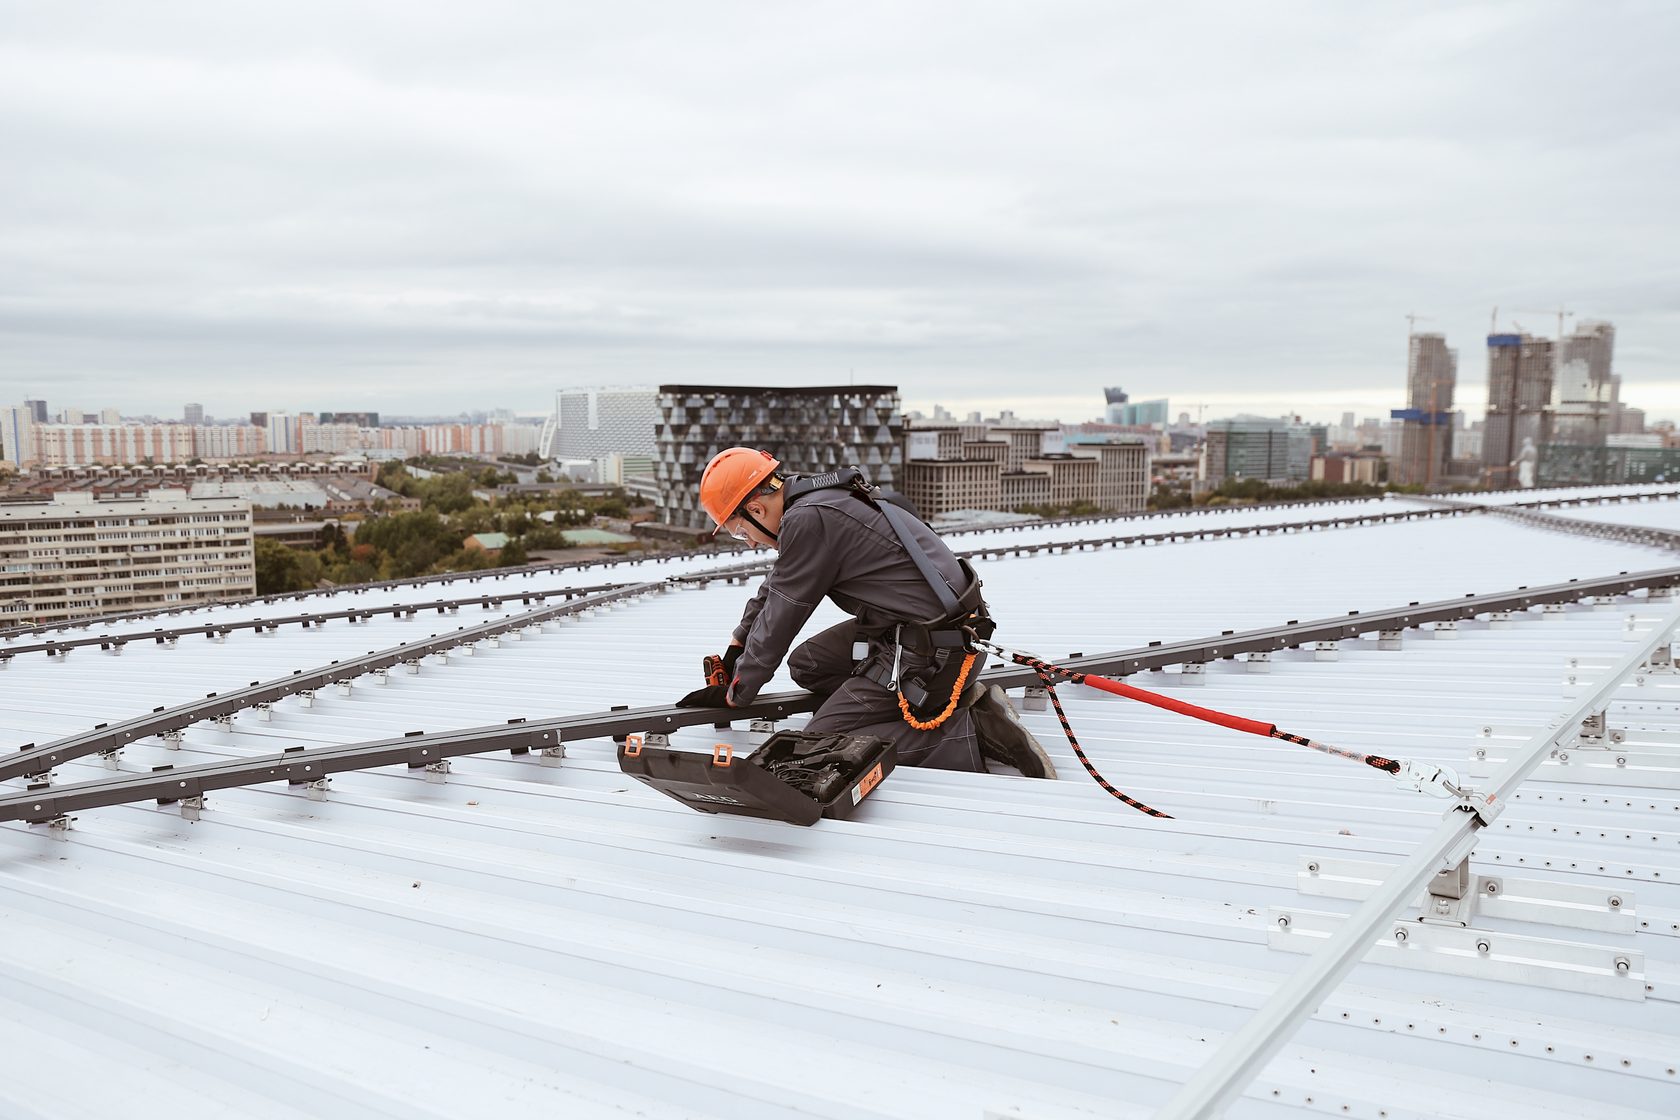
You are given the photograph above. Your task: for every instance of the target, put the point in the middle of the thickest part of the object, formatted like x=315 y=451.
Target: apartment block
x=79 y=557
x=810 y=430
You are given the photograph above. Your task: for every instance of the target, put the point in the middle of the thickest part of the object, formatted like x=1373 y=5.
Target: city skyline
x=1230 y=205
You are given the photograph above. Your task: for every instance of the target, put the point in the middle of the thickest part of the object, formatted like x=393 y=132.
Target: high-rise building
x=78 y=557
x=596 y=423
x=1123 y=410
x=1519 y=398
x=1585 y=392
x=195 y=414
x=284 y=433
x=1426 y=431
x=1248 y=447
x=17 y=435
x=810 y=430
x=110 y=416
x=37 y=410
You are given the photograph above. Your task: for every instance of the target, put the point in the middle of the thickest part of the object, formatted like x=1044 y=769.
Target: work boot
x=1005 y=738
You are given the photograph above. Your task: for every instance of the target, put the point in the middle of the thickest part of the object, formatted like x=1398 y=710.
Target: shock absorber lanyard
x=1424 y=777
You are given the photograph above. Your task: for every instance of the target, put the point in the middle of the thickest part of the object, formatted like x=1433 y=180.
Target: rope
x=1073 y=741
x=1048 y=670
x=956 y=694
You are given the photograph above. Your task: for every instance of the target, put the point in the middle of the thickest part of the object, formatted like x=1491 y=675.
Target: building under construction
x=1425 y=422
x=1520 y=373
x=1585 y=391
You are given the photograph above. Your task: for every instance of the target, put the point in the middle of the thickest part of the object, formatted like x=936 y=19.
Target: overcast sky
x=425 y=207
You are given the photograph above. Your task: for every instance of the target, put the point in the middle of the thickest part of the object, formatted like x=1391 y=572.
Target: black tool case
x=792 y=776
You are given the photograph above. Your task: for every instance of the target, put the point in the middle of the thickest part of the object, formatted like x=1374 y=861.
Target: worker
x=901 y=667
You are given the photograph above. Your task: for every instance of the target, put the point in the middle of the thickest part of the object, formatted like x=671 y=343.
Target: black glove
x=712 y=696
x=731 y=654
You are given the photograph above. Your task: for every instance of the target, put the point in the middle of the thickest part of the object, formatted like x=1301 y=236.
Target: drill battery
x=794 y=776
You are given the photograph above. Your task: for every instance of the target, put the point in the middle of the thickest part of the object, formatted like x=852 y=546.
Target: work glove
x=731 y=654
x=712 y=696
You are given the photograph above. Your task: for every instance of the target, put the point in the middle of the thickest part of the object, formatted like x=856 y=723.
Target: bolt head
x=1483 y=947
x=1623 y=965
x=1615 y=902
x=1401 y=935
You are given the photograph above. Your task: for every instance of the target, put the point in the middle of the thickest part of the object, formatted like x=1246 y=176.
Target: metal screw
x=1623 y=965
x=1491 y=886
x=1620 y=761
x=1400 y=934
x=1283 y=921
x=1487 y=731
x=1313 y=867
x=1563 y=756
x=1615 y=902
x=1483 y=947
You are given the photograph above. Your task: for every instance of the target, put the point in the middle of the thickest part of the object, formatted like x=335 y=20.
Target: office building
x=1519 y=398
x=595 y=423
x=808 y=429
x=195 y=414
x=37 y=410
x=79 y=557
x=977 y=467
x=1247 y=447
x=1426 y=430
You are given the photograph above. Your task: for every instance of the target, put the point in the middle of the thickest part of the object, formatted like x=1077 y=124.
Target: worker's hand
x=731 y=654
x=712 y=696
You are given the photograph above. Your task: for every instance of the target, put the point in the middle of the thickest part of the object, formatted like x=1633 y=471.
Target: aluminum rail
x=115 y=642
x=38 y=805
x=1158 y=655
x=686 y=554
x=416 y=749
x=1207 y=1094
x=31 y=760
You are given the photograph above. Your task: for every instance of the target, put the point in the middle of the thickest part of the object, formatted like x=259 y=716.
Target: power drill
x=712 y=666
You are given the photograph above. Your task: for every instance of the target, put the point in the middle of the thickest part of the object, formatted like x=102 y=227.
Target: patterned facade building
x=599 y=423
x=810 y=430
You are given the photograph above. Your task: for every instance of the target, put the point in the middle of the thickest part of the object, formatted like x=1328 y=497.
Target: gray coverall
x=830 y=542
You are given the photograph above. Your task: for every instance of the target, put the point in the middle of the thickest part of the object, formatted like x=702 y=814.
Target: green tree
x=281 y=569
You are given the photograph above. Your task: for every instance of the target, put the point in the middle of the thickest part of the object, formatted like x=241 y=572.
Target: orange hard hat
x=733 y=473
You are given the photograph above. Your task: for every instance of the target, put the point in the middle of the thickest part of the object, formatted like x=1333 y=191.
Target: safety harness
x=946 y=639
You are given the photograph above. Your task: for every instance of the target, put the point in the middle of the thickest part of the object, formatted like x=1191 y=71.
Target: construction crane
x=1411 y=322
x=1558 y=311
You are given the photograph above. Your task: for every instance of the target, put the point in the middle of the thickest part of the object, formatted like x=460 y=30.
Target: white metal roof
x=536 y=940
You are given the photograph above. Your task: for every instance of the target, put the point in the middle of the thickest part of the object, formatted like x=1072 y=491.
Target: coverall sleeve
x=804 y=572
x=754 y=605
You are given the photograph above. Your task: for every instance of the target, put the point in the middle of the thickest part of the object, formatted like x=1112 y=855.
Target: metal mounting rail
x=356 y=614
x=294 y=766
x=1245 y=1053
x=1158 y=655
x=1598 y=500
x=356 y=588
x=1607 y=530
x=31 y=759
x=416 y=749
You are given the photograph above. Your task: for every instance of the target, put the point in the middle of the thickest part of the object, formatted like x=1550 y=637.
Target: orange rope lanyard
x=956 y=694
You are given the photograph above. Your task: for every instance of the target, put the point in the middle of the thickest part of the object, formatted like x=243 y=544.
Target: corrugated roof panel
x=536 y=939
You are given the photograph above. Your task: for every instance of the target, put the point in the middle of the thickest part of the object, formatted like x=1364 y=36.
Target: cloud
x=262 y=206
